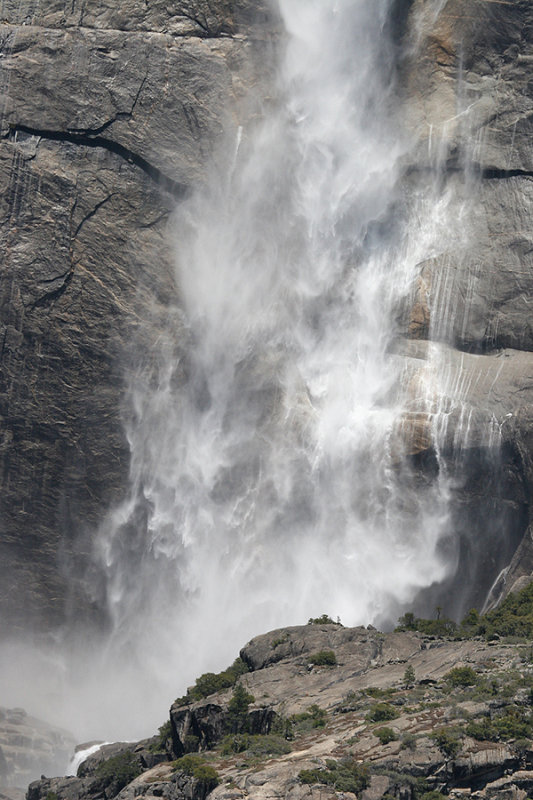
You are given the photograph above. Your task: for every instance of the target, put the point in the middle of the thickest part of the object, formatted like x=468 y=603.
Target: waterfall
x=286 y=452
x=269 y=477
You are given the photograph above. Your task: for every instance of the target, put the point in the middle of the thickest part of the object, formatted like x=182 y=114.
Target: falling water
x=268 y=478
x=274 y=448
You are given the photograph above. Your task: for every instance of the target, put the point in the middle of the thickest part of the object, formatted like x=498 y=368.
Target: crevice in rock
x=48 y=297
x=88 y=139
x=92 y=212
x=492 y=173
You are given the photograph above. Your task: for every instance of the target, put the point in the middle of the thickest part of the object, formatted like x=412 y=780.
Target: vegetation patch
x=116 y=772
x=324 y=658
x=448 y=740
x=209 y=683
x=325 y=619
x=314 y=717
x=386 y=735
x=513 y=618
x=268 y=745
x=237 y=718
x=160 y=744
x=346 y=775
x=408 y=742
x=461 y=676
x=381 y=712
x=196 y=767
x=376 y=692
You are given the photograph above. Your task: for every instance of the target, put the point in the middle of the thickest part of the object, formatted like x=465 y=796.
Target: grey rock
x=30 y=747
x=93 y=158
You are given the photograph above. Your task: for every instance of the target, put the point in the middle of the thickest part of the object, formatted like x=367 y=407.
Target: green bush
x=448 y=741
x=325 y=619
x=160 y=744
x=376 y=692
x=314 y=717
x=433 y=795
x=461 y=677
x=237 y=719
x=381 y=712
x=324 y=658
x=210 y=682
x=431 y=627
x=514 y=723
x=483 y=730
x=114 y=773
x=257 y=745
x=196 y=767
x=409 y=677
x=386 y=735
x=346 y=775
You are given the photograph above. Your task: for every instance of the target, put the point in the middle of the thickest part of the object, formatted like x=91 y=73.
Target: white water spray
x=268 y=478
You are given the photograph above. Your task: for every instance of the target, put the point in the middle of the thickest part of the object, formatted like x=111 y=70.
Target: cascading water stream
x=268 y=475
x=275 y=430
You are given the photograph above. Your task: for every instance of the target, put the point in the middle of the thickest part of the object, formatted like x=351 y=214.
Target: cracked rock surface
x=108 y=113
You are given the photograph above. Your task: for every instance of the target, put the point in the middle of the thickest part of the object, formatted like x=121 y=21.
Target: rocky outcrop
x=409 y=713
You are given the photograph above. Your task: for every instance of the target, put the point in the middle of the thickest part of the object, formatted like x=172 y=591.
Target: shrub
x=210 y=682
x=386 y=735
x=514 y=723
x=448 y=741
x=257 y=745
x=408 y=742
x=160 y=743
x=195 y=766
x=237 y=719
x=325 y=619
x=409 y=677
x=482 y=730
x=461 y=677
x=314 y=717
x=431 y=627
x=381 y=712
x=114 y=773
x=324 y=658
x=346 y=775
x=375 y=691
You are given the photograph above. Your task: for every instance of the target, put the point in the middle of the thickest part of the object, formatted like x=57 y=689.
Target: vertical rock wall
x=109 y=112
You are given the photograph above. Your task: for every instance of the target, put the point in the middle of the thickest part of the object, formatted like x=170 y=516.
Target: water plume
x=286 y=460
x=268 y=474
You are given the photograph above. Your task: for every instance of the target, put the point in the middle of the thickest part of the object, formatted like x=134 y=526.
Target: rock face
x=108 y=112
x=468 y=97
x=29 y=747
x=405 y=713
